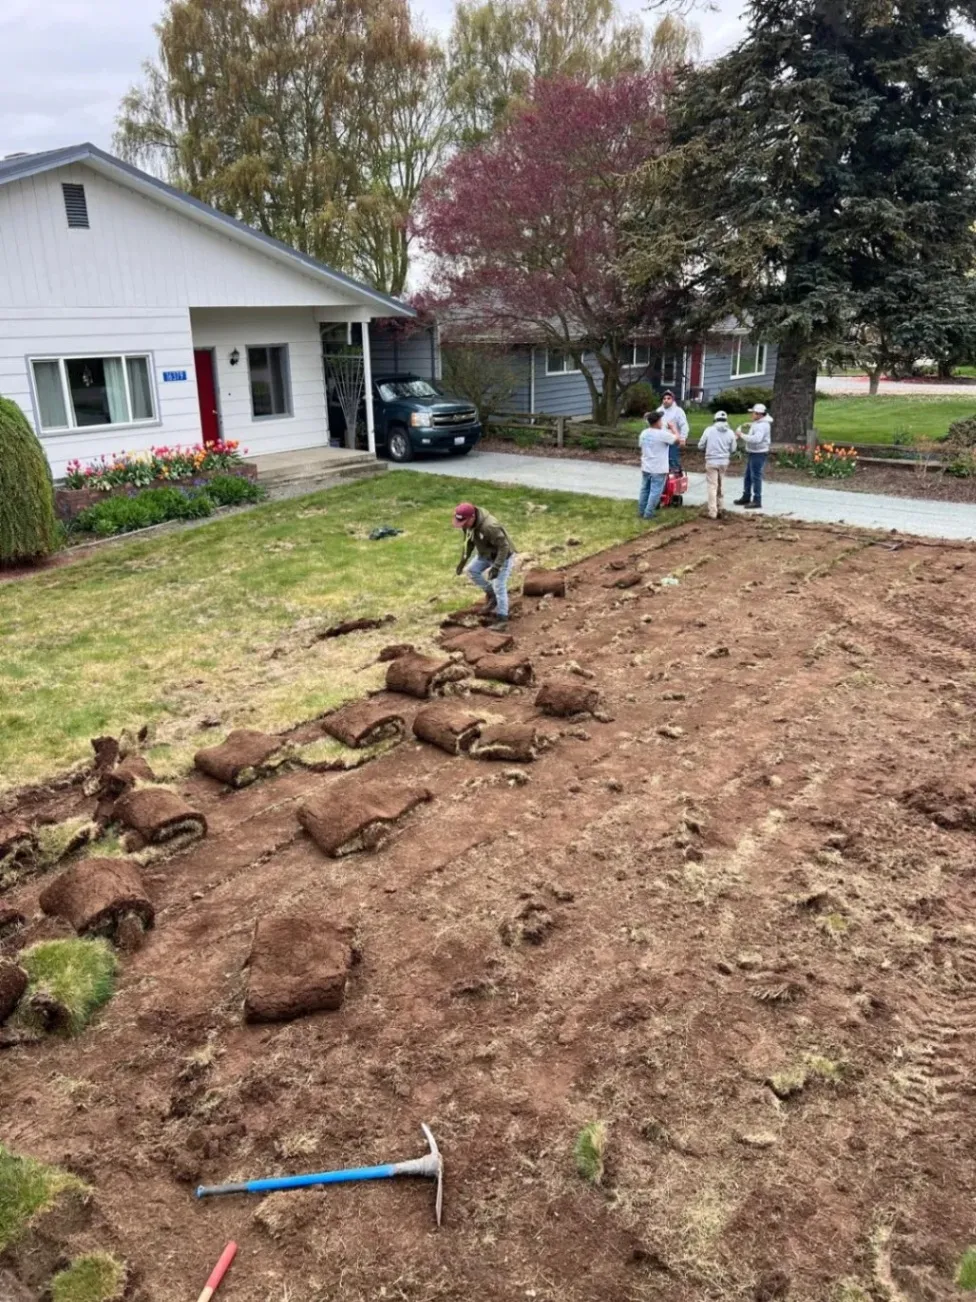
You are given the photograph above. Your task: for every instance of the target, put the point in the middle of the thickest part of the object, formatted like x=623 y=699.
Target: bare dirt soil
x=725 y=886
x=892 y=481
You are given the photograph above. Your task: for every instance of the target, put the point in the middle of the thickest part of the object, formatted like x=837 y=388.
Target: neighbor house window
x=642 y=356
x=669 y=369
x=559 y=363
x=270 y=389
x=748 y=359
x=81 y=392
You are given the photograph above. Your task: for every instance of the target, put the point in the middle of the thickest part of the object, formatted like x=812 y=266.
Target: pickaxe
x=430 y=1166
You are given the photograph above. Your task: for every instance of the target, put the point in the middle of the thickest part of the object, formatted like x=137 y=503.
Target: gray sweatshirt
x=759 y=435
x=718 y=443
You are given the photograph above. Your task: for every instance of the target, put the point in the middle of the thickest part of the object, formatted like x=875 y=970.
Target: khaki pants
x=715 y=476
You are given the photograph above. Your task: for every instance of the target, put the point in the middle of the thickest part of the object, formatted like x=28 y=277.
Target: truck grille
x=455 y=417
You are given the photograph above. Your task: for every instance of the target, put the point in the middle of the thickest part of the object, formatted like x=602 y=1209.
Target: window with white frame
x=559 y=363
x=270 y=381
x=748 y=359
x=641 y=356
x=669 y=369
x=85 y=392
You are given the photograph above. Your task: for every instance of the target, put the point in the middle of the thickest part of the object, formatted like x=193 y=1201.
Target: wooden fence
x=538 y=430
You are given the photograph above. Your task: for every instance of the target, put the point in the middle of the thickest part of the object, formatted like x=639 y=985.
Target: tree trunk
x=794 y=393
x=606 y=404
x=874 y=379
x=945 y=368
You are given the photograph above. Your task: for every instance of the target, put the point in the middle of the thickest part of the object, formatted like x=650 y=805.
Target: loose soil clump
x=357 y=815
x=948 y=801
x=365 y=723
x=451 y=727
x=96 y=896
x=241 y=759
x=356 y=626
x=160 y=815
x=422 y=676
x=563 y=698
x=299 y=964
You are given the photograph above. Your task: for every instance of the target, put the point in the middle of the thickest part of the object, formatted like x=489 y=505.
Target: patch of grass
x=810 y=1069
x=96 y=1277
x=69 y=981
x=26 y=1188
x=589 y=1151
x=58 y=839
x=217 y=620
x=966 y=1272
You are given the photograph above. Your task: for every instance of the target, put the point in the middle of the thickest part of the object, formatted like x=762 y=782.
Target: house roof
x=18 y=167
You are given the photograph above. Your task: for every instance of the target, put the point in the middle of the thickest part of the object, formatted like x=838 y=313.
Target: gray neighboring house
x=549 y=383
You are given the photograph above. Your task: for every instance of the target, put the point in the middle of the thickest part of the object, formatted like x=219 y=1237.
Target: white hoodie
x=718 y=443
x=759 y=436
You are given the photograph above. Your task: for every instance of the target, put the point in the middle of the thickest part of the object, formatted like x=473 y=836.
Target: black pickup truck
x=413 y=415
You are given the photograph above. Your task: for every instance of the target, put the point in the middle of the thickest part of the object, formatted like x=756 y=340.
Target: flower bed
x=129 y=472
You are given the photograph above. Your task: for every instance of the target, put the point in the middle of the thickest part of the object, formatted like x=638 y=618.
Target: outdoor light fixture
x=235 y=357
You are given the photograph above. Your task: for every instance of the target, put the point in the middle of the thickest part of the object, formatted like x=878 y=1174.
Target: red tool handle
x=218 y=1272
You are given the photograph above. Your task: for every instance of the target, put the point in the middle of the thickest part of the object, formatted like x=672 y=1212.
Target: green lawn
x=220 y=620
x=867 y=420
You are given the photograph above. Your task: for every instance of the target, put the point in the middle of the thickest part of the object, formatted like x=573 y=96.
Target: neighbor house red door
x=207 y=394
x=695 y=370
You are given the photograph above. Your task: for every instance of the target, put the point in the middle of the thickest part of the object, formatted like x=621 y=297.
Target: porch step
x=289 y=473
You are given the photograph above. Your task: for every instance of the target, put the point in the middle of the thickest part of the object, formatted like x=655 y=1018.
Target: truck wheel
x=400 y=447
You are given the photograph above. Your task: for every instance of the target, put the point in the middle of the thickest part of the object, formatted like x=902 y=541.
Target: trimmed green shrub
x=69 y=980
x=642 y=397
x=739 y=400
x=123 y=514
x=96 y=1277
x=27 y=1187
x=233 y=490
x=960 y=448
x=28 y=526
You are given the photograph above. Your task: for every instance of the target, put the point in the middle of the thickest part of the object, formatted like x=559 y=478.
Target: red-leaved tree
x=527 y=230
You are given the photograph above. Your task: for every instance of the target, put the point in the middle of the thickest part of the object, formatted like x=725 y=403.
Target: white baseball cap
x=720 y=415
x=759 y=409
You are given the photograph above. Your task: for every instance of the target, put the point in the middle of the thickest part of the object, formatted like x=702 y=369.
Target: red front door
x=207 y=394
x=695 y=377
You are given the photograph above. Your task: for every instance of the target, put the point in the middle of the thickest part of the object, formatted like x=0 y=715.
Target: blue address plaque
x=169 y=377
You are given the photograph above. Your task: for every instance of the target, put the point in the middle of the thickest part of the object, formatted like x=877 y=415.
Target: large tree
x=311 y=120
x=820 y=185
x=499 y=49
x=526 y=230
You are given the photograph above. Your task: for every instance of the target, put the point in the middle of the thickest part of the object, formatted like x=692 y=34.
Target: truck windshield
x=392 y=389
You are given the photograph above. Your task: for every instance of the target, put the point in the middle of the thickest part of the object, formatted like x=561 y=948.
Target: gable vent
x=75 y=205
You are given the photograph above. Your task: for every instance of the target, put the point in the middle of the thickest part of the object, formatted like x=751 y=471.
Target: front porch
x=288 y=474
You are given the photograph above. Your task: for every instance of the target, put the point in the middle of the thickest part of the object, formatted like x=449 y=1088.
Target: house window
x=669 y=369
x=642 y=356
x=270 y=388
x=75 y=206
x=86 y=392
x=559 y=363
x=748 y=359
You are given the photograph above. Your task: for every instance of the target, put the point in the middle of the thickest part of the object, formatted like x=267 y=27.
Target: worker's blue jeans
x=499 y=586
x=652 y=486
x=753 y=482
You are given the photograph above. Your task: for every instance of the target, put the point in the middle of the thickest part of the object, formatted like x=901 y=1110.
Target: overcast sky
x=67 y=63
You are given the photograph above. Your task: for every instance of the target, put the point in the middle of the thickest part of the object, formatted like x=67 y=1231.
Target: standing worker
x=493 y=565
x=718 y=442
x=676 y=421
x=758 y=440
x=655 y=443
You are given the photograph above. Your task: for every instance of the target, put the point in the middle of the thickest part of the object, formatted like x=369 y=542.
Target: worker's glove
x=493 y=574
x=460 y=569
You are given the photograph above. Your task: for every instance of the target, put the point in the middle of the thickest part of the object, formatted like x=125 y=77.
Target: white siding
x=307 y=426
x=137 y=252
x=99 y=332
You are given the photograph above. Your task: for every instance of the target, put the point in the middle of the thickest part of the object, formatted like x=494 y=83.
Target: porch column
x=368 y=386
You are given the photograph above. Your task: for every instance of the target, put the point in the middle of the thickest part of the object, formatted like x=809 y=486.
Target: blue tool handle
x=301 y=1181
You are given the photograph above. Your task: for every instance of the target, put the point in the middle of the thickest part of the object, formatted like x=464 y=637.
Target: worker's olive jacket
x=489 y=539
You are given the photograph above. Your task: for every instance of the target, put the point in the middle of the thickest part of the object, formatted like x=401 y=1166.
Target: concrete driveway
x=955 y=520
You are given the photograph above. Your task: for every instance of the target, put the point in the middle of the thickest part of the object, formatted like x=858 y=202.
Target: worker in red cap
x=492 y=566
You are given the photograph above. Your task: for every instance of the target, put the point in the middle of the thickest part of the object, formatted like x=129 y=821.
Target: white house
x=134 y=315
